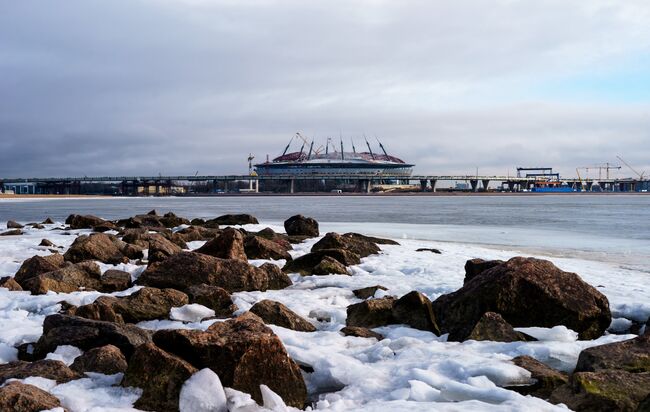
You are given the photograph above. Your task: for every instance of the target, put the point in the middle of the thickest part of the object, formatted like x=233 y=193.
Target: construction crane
x=250 y=165
x=582 y=186
x=631 y=168
x=605 y=166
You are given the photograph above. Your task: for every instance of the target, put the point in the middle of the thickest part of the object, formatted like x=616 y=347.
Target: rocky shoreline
x=188 y=368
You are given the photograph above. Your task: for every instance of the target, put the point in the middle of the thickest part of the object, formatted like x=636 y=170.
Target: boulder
x=160 y=375
x=492 y=327
x=257 y=247
x=432 y=250
x=525 y=292
x=329 y=266
x=474 y=267
x=46 y=368
x=10 y=283
x=605 y=390
x=245 y=354
x=213 y=297
x=228 y=245
x=106 y=359
x=11 y=224
x=275 y=313
x=305 y=264
x=239 y=219
x=544 y=379
x=352 y=242
x=20 y=397
x=115 y=280
x=83 y=221
x=48 y=221
x=46 y=243
x=194 y=233
x=161 y=248
x=414 y=309
x=37 y=265
x=632 y=355
x=277 y=279
x=97 y=246
x=281 y=239
x=12 y=232
x=300 y=225
x=148 y=222
x=368 y=292
x=360 y=332
x=100 y=309
x=105 y=227
x=371 y=313
x=69 y=278
x=170 y=220
x=182 y=270
x=87 y=334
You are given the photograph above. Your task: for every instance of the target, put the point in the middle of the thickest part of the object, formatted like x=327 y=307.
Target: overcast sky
x=122 y=87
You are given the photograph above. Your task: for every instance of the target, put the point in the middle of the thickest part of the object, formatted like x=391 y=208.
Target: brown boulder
x=632 y=355
x=48 y=221
x=87 y=334
x=606 y=390
x=474 y=267
x=545 y=379
x=107 y=359
x=228 y=245
x=305 y=264
x=12 y=224
x=115 y=280
x=367 y=292
x=97 y=246
x=300 y=225
x=10 y=283
x=83 y=221
x=232 y=220
x=161 y=248
x=352 y=242
x=525 y=292
x=193 y=233
x=170 y=220
x=257 y=247
x=360 y=332
x=148 y=304
x=414 y=309
x=100 y=309
x=12 y=232
x=105 y=227
x=69 y=278
x=244 y=352
x=20 y=397
x=277 y=279
x=46 y=243
x=213 y=297
x=37 y=265
x=182 y=270
x=160 y=375
x=371 y=313
x=46 y=368
x=281 y=239
x=329 y=266
x=492 y=327
x=275 y=313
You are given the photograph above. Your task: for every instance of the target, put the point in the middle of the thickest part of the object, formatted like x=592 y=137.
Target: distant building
x=20 y=188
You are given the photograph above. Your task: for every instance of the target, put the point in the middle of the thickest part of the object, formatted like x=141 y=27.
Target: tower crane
x=631 y=168
x=250 y=165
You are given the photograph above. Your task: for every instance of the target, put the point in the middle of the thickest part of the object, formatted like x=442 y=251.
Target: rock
x=275 y=313
x=525 y=292
x=100 y=309
x=170 y=220
x=213 y=297
x=367 y=292
x=351 y=242
x=294 y=240
x=106 y=359
x=182 y=270
x=37 y=226
x=161 y=248
x=13 y=232
x=371 y=313
x=631 y=355
x=152 y=212
x=160 y=375
x=194 y=233
x=360 y=332
x=644 y=405
x=281 y=239
x=87 y=334
x=545 y=379
x=414 y=309
x=83 y=221
x=277 y=279
x=305 y=264
x=26 y=351
x=197 y=222
x=245 y=354
x=46 y=243
x=48 y=221
x=257 y=247
x=228 y=245
x=240 y=219
x=20 y=397
x=492 y=327
x=69 y=278
x=606 y=390
x=10 y=283
x=115 y=280
x=12 y=224
x=46 y=368
x=432 y=250
x=148 y=222
x=329 y=266
x=474 y=267
x=37 y=265
x=300 y=225
x=97 y=246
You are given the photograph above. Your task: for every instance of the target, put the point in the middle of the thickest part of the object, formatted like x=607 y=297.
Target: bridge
x=163 y=185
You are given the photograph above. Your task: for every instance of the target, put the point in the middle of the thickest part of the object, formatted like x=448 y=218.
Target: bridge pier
x=589 y=186
x=433 y=185
x=486 y=183
x=474 y=183
x=423 y=185
x=292 y=185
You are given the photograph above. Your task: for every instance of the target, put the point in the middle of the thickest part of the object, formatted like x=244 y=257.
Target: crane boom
x=631 y=168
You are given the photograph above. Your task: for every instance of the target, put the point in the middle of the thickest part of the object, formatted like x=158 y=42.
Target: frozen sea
x=603 y=238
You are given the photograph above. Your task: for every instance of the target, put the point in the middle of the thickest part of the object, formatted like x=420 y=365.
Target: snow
x=408 y=370
x=272 y=401
x=191 y=313
x=203 y=392
x=66 y=354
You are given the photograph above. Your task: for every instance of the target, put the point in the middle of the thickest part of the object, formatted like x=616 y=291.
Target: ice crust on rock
x=65 y=353
x=192 y=312
x=203 y=392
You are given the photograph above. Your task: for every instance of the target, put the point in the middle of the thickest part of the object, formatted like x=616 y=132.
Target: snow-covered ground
x=409 y=370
